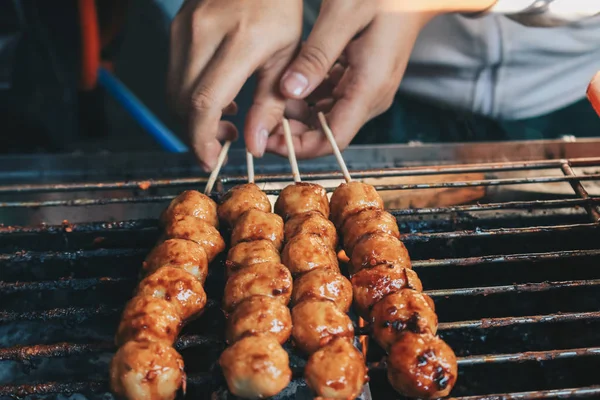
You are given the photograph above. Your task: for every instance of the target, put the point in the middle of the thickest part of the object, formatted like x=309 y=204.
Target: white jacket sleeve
x=546 y=12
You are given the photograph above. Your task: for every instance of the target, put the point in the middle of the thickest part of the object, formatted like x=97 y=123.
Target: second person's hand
x=216 y=45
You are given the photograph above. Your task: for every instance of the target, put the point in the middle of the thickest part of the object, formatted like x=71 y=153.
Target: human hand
x=593 y=93
x=216 y=45
x=351 y=67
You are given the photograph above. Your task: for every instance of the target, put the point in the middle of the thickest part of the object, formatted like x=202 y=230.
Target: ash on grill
x=515 y=283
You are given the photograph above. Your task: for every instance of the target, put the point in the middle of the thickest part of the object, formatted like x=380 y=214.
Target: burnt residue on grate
x=516 y=287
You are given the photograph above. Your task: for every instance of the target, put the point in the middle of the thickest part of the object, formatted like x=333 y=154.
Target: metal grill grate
x=515 y=282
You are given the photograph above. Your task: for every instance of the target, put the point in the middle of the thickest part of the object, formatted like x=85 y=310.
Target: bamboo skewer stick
x=336 y=149
x=215 y=173
x=250 y=166
x=291 y=152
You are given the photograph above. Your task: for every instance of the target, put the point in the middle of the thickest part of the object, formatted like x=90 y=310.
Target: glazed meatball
x=312 y=223
x=194 y=204
x=240 y=199
x=336 y=371
x=268 y=279
x=422 y=366
x=406 y=310
x=148 y=319
x=302 y=197
x=378 y=248
x=258 y=225
x=366 y=222
x=373 y=284
x=316 y=322
x=146 y=371
x=178 y=287
x=351 y=198
x=323 y=284
x=196 y=230
x=256 y=367
x=178 y=253
x=307 y=252
x=258 y=315
x=249 y=253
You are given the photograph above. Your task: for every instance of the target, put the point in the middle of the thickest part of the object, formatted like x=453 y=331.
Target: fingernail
x=261 y=142
x=295 y=83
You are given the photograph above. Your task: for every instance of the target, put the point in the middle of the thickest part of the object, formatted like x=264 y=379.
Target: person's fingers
x=231 y=109
x=337 y=23
x=225 y=131
x=268 y=106
x=593 y=93
x=220 y=82
x=296 y=109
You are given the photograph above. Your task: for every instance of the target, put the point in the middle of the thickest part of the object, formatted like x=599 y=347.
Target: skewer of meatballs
x=146 y=366
x=388 y=293
x=322 y=295
x=257 y=292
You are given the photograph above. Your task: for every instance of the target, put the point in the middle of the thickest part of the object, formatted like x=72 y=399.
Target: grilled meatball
x=406 y=310
x=351 y=198
x=178 y=253
x=323 y=284
x=302 y=197
x=422 y=366
x=178 y=287
x=196 y=230
x=257 y=315
x=194 y=204
x=268 y=279
x=150 y=319
x=336 y=371
x=313 y=223
x=240 y=199
x=373 y=284
x=249 y=253
x=258 y=225
x=256 y=367
x=316 y=322
x=378 y=248
x=307 y=252
x=366 y=222
x=146 y=371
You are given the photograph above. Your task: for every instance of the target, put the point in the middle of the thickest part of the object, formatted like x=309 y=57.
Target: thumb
x=333 y=30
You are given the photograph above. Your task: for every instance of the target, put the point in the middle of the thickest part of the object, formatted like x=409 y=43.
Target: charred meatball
x=245 y=254
x=422 y=366
x=268 y=279
x=312 y=223
x=323 y=284
x=241 y=199
x=336 y=371
x=373 y=284
x=307 y=252
x=366 y=222
x=258 y=225
x=196 y=230
x=194 y=204
x=300 y=198
x=256 y=367
x=146 y=371
x=379 y=248
x=405 y=310
x=178 y=287
x=317 y=322
x=351 y=198
x=149 y=319
x=178 y=253
x=258 y=315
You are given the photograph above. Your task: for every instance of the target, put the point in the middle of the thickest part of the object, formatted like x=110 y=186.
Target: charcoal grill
x=514 y=275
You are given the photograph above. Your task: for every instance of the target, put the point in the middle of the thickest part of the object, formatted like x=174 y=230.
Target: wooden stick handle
x=250 y=165
x=215 y=173
x=291 y=152
x=336 y=149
